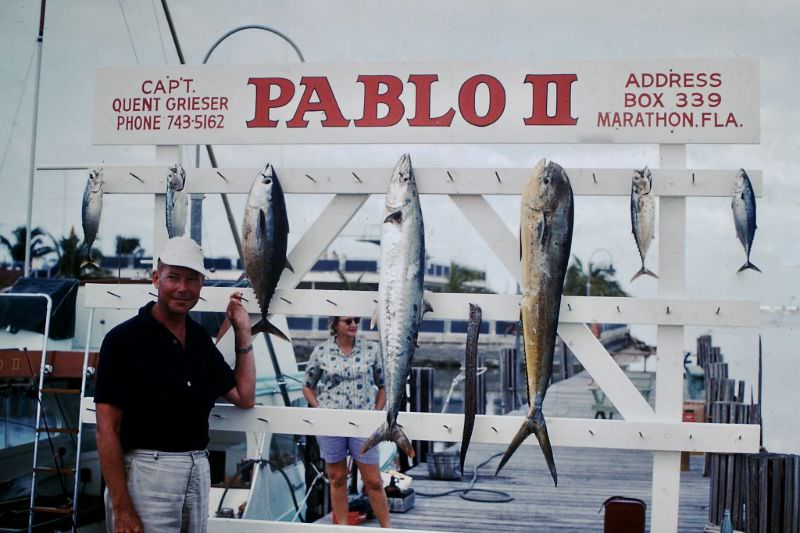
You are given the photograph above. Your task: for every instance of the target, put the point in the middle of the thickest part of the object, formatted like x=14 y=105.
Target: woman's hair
x=332 y=322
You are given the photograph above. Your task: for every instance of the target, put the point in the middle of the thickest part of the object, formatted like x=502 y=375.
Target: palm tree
x=128 y=245
x=69 y=262
x=38 y=248
x=460 y=276
x=602 y=280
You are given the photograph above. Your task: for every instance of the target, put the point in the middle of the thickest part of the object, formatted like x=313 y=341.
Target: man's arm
x=109 y=448
x=243 y=394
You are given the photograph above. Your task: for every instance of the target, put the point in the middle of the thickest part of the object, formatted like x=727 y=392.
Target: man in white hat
x=157 y=379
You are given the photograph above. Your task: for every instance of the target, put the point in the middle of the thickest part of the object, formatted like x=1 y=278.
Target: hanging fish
x=90 y=213
x=177 y=201
x=643 y=215
x=400 y=296
x=743 y=204
x=546 y=220
x=265 y=234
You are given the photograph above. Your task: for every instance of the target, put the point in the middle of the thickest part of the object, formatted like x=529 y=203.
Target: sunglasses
x=349 y=321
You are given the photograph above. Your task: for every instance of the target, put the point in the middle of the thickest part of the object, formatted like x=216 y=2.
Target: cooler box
x=401 y=502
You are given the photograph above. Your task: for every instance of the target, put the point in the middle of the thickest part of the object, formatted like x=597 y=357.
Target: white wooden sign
x=604 y=101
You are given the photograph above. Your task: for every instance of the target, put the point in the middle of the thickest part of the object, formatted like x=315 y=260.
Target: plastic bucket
x=444 y=465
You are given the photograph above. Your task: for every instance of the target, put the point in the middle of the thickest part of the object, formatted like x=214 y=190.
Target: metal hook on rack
x=265 y=420
x=135 y=176
x=312 y=179
x=285 y=300
x=223 y=177
x=331 y=302
x=114 y=294
x=498 y=177
x=450 y=176
x=594 y=177
x=356 y=177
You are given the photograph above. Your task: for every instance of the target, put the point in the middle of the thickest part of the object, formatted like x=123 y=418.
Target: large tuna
x=400 y=303
x=265 y=232
x=743 y=204
x=91 y=210
x=177 y=202
x=545 y=241
x=643 y=215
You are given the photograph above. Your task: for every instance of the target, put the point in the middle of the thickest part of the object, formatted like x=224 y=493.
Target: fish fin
x=262 y=222
x=542 y=229
x=265 y=326
x=749 y=265
x=644 y=271
x=534 y=423
x=289 y=266
x=426 y=307
x=391 y=433
x=396 y=217
x=223 y=329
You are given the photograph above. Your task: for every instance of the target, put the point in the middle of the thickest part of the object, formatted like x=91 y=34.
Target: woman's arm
x=311 y=396
x=380 y=399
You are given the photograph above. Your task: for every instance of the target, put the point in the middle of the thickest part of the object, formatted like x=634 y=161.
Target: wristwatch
x=244 y=350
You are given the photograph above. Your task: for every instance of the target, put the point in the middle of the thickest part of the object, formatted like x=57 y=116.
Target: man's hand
x=126 y=520
x=236 y=312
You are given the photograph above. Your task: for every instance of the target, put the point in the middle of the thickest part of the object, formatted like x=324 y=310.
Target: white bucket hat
x=183 y=252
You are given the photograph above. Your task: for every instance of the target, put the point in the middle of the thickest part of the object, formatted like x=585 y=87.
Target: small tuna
x=177 y=201
x=91 y=210
x=643 y=215
x=743 y=205
x=265 y=233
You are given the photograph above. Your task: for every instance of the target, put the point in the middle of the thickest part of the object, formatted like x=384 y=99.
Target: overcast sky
x=82 y=35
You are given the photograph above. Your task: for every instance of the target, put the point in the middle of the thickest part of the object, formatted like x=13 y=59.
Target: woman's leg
x=373 y=486
x=337 y=475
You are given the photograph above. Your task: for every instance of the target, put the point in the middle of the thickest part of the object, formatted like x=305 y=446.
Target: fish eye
x=546 y=180
x=267 y=181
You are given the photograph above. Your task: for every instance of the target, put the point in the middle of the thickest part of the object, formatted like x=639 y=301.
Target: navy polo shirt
x=165 y=392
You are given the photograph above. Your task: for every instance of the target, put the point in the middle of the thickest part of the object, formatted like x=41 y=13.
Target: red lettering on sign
x=264 y=103
x=373 y=97
x=466 y=100
x=422 y=113
x=563 y=83
x=326 y=103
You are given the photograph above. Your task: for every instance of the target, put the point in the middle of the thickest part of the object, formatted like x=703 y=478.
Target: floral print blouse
x=345 y=381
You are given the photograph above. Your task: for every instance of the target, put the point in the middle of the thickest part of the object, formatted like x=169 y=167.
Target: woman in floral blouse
x=345 y=372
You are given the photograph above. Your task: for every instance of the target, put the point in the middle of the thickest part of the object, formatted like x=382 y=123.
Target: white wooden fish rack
x=659 y=429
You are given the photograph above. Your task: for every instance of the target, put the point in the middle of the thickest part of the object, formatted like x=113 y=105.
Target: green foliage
x=459 y=278
x=603 y=282
x=16 y=244
x=69 y=264
x=128 y=245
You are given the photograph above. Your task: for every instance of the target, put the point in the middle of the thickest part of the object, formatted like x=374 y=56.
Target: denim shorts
x=334 y=449
x=169 y=490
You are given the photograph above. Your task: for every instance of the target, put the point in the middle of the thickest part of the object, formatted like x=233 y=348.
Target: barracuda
x=400 y=295
x=545 y=240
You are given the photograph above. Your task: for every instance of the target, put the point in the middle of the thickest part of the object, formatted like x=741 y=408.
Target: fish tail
x=534 y=423
x=390 y=432
x=265 y=326
x=644 y=271
x=749 y=265
x=89 y=264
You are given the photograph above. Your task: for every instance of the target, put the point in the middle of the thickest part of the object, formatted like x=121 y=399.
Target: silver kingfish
x=545 y=240
x=265 y=233
x=643 y=215
x=743 y=204
x=91 y=210
x=400 y=295
x=177 y=201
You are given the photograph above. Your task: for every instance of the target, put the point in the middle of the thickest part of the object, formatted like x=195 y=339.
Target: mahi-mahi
x=545 y=239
